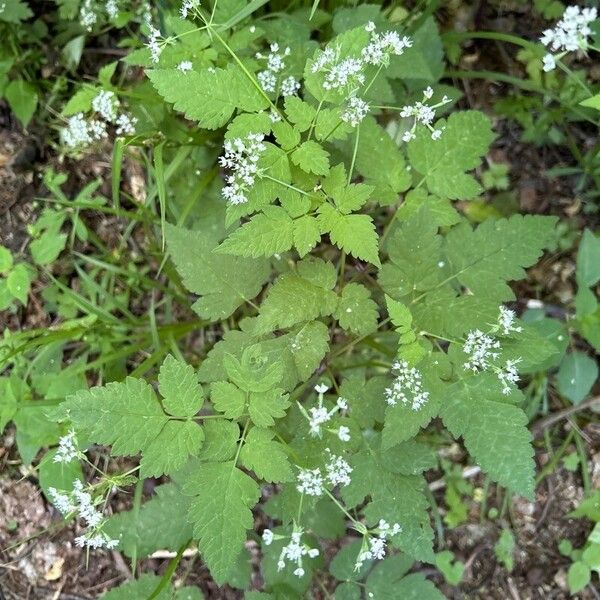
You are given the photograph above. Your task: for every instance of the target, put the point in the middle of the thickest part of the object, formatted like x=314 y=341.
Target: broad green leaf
x=228 y=399
x=411 y=587
x=15 y=11
x=440 y=210
x=266 y=457
x=576 y=376
x=347 y=197
x=6 y=260
x=588 y=260
x=223 y=282
x=497 y=251
x=266 y=406
x=578 y=577
x=252 y=373
x=220 y=442
x=223 y=497
x=266 y=234
x=307 y=234
x=129 y=417
x=18 y=282
x=22 y=98
x=143 y=532
x=355 y=234
x=495 y=432
x=179 y=387
x=209 y=97
x=139 y=589
x=356 y=311
x=312 y=158
x=47 y=247
x=299 y=112
x=465 y=139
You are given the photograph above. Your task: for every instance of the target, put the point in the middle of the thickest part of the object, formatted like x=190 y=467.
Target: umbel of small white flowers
x=407 y=387
x=337 y=472
x=375 y=541
x=570 y=34
x=90 y=11
x=269 y=77
x=292 y=552
x=188 y=7
x=81 y=132
x=80 y=502
x=67 y=448
x=241 y=158
x=421 y=112
x=484 y=350
x=319 y=415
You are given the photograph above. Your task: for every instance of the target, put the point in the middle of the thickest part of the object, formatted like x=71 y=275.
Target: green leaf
x=228 y=399
x=588 y=260
x=576 y=376
x=578 y=577
x=495 y=432
x=22 y=98
x=355 y=234
x=465 y=139
x=347 y=197
x=178 y=385
x=223 y=497
x=266 y=406
x=220 y=442
x=129 y=417
x=266 y=234
x=497 y=251
x=144 y=531
x=18 y=283
x=312 y=158
x=267 y=458
x=411 y=587
x=6 y=260
x=295 y=298
x=47 y=247
x=307 y=234
x=15 y=11
x=223 y=282
x=593 y=102
x=356 y=311
x=440 y=210
x=139 y=589
x=300 y=113
x=209 y=97
x=504 y=549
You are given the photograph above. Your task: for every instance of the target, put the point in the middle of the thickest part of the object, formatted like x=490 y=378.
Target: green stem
x=166 y=578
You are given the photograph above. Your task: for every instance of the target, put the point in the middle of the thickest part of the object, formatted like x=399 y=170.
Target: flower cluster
x=268 y=77
x=241 y=158
x=185 y=66
x=484 y=350
x=81 y=132
x=349 y=73
x=319 y=415
x=81 y=502
x=187 y=7
x=407 y=388
x=422 y=113
x=506 y=320
x=155 y=41
x=337 y=472
x=569 y=34
x=89 y=12
x=356 y=110
x=67 y=448
x=375 y=542
x=293 y=551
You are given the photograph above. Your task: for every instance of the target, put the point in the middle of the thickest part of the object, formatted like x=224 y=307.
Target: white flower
x=67 y=448
x=549 y=63
x=87 y=15
x=61 y=501
x=100 y=540
x=407 y=388
x=97 y=129
x=321 y=388
x=154 y=43
x=76 y=133
x=289 y=86
x=184 y=66
x=374 y=543
x=267 y=80
x=112 y=9
x=338 y=471
x=506 y=320
x=106 y=104
x=274 y=116
x=319 y=415
x=482 y=350
x=267 y=537
x=370 y=26
x=125 y=124
x=356 y=110
x=422 y=113
x=342 y=403
x=383 y=45
x=344 y=433
x=310 y=482
x=508 y=375
x=188 y=6
x=294 y=551
x=241 y=158
x=348 y=72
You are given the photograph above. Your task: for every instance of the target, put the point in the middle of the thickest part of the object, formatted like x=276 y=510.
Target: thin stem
x=335 y=501
x=354 y=153
x=287 y=185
